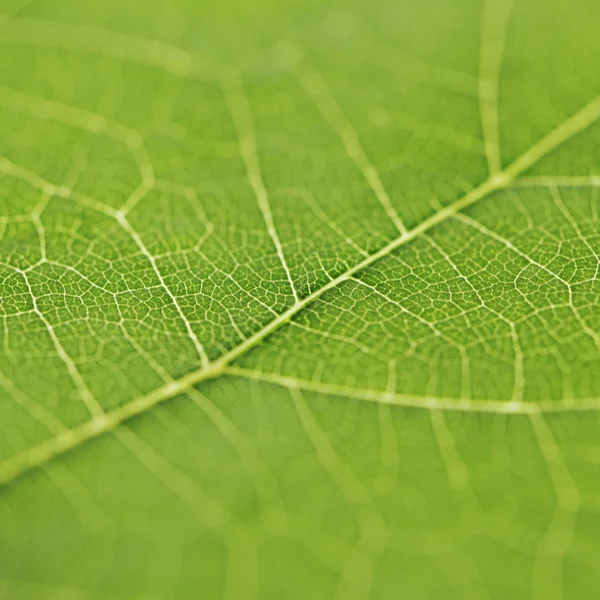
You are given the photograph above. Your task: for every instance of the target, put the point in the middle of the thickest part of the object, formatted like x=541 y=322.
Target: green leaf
x=299 y=299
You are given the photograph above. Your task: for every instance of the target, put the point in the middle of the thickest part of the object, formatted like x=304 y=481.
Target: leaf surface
x=299 y=300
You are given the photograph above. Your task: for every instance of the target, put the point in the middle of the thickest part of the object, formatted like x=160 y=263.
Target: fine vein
x=46 y=451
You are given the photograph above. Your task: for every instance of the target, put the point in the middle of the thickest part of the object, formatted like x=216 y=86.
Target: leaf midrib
x=43 y=453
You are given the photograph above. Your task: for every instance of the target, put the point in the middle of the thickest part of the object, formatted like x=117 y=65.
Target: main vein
x=48 y=450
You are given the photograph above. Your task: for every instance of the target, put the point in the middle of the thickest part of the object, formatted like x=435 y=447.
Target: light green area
x=299 y=300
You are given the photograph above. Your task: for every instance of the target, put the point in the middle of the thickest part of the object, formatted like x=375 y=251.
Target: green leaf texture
x=299 y=299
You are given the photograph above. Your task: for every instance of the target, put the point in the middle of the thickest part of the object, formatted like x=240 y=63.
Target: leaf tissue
x=299 y=300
